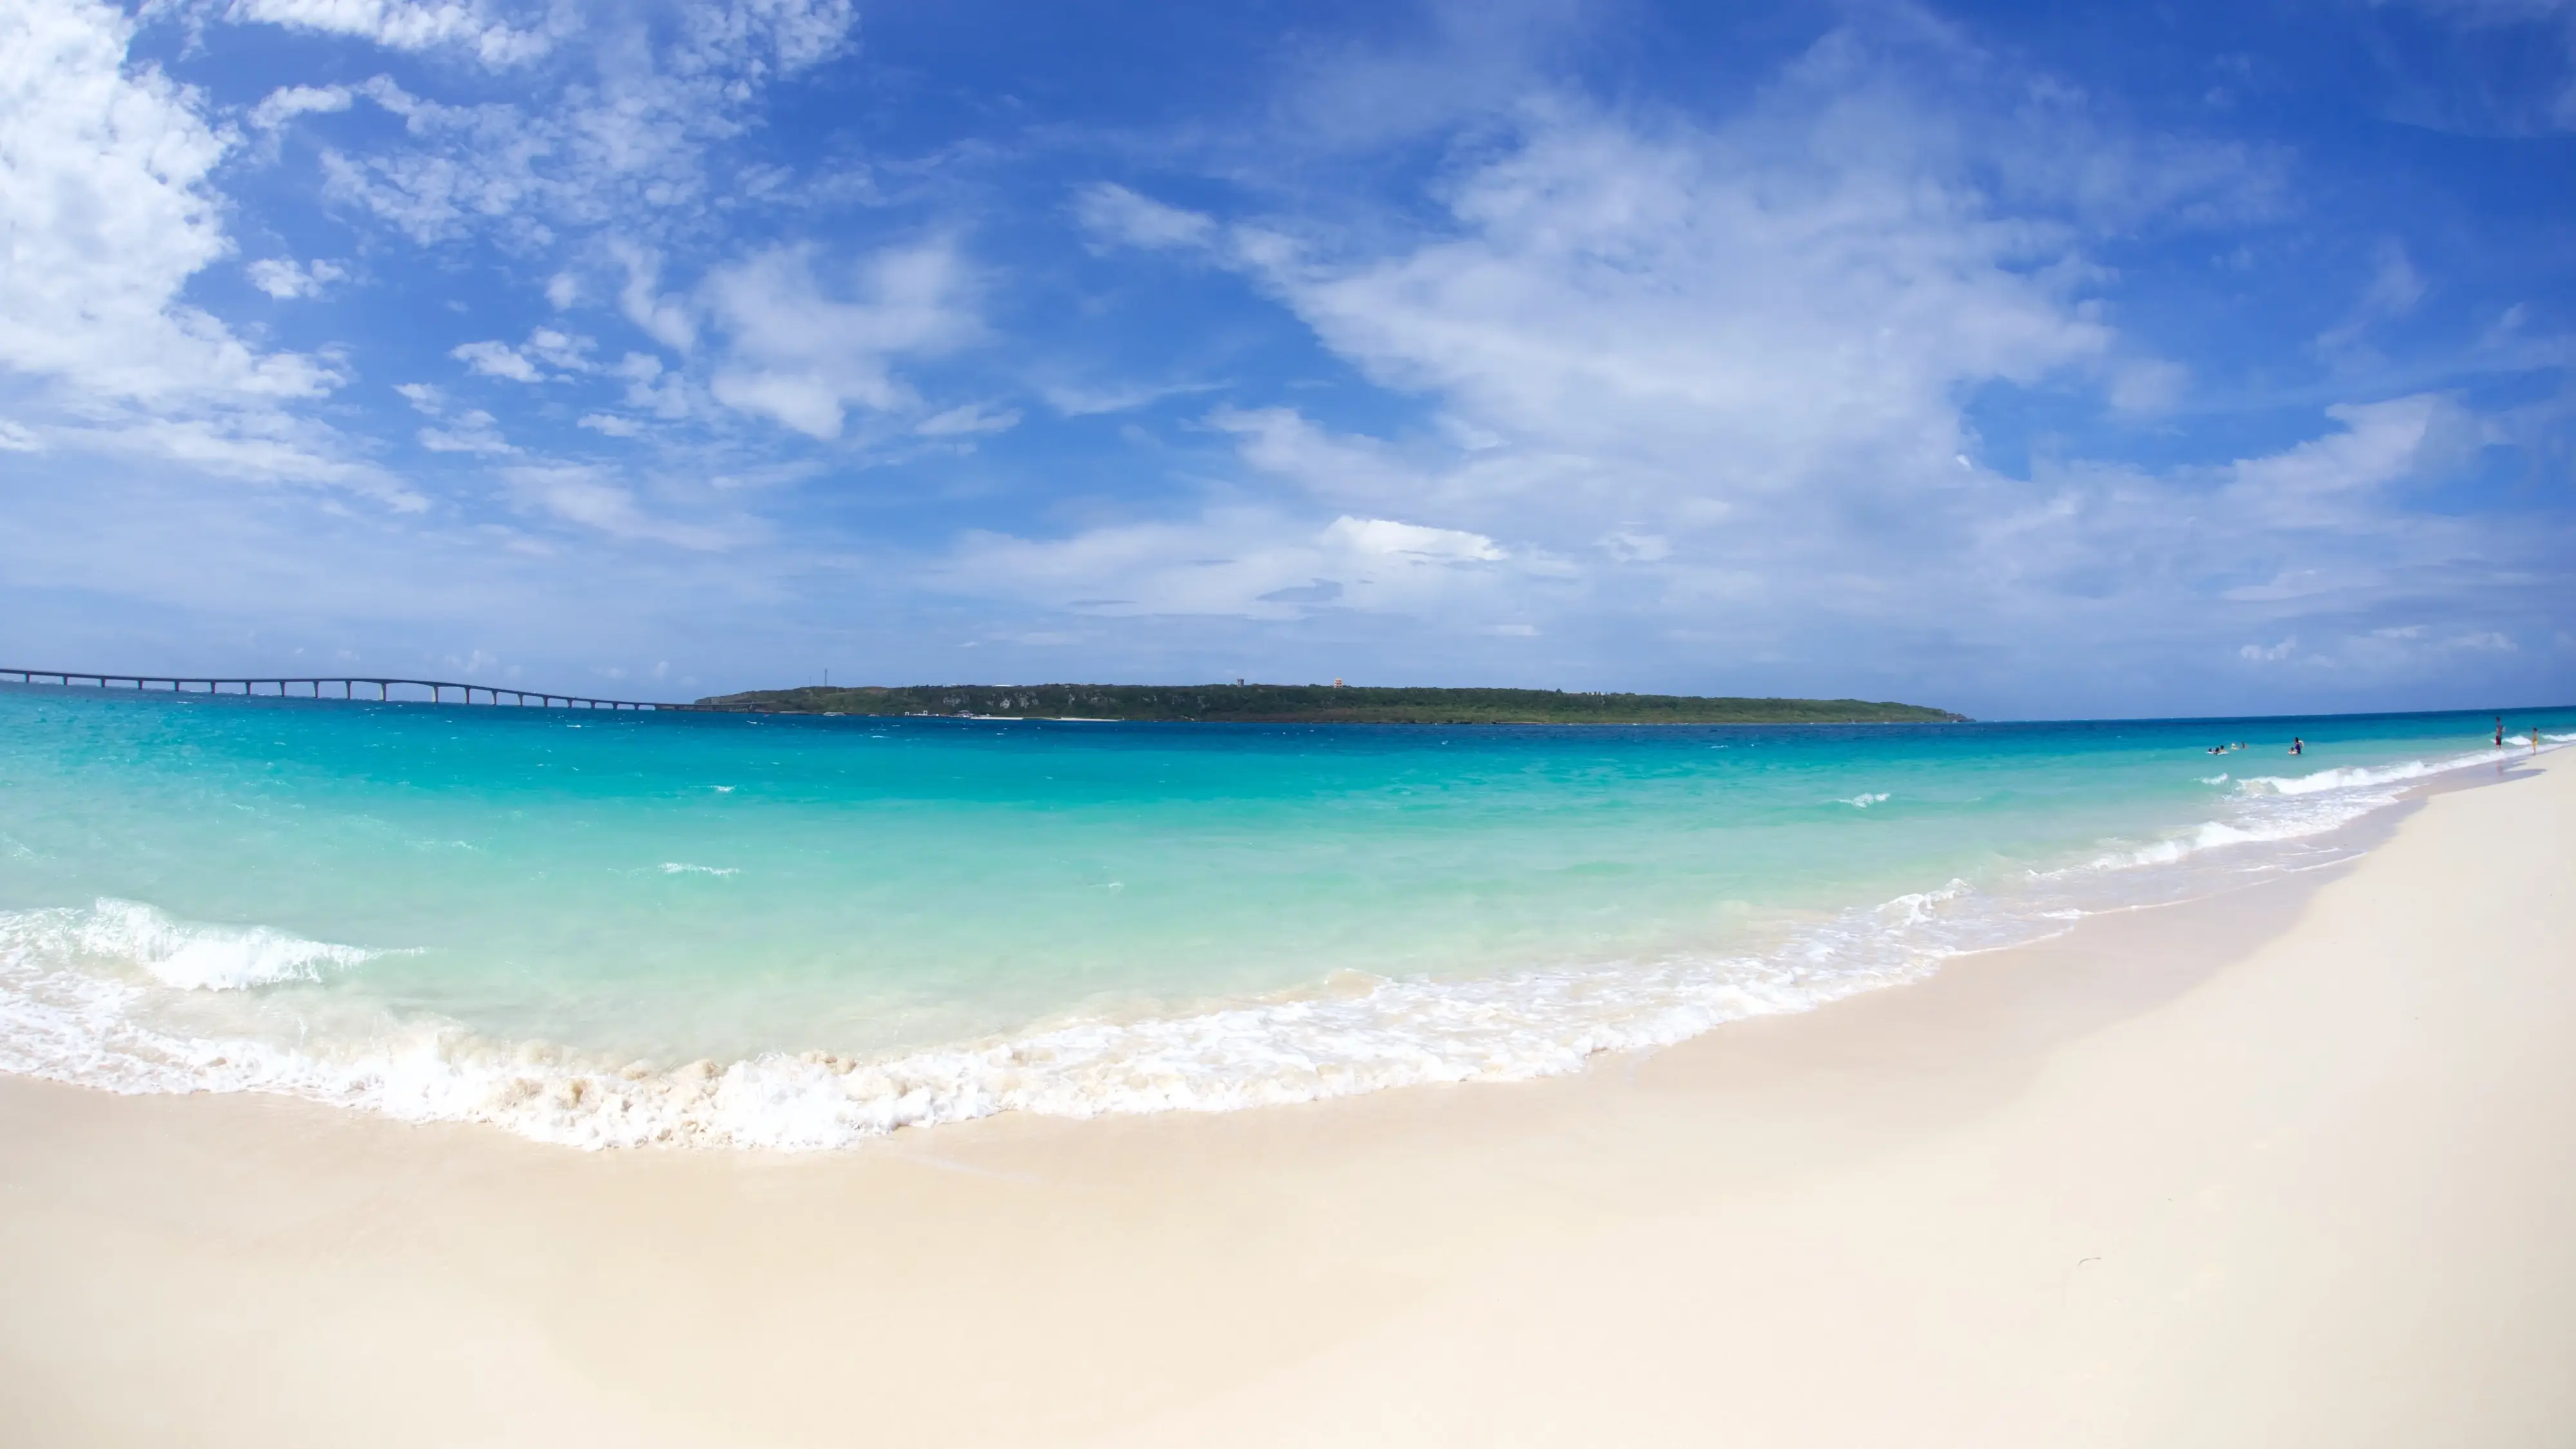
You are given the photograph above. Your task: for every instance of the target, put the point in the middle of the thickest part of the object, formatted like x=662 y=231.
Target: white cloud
x=284 y=104
x=649 y=387
x=595 y=500
x=2145 y=385
x=1411 y=541
x=2269 y=653
x=2341 y=477
x=802 y=355
x=2484 y=641
x=1113 y=214
x=1248 y=563
x=519 y=364
x=967 y=419
x=104 y=180
x=497 y=359
x=616 y=127
x=1711 y=313
x=557 y=349
x=469 y=432
x=404 y=25
x=1082 y=402
x=666 y=320
x=1705 y=375
x=252 y=446
x=105 y=184
x=285 y=279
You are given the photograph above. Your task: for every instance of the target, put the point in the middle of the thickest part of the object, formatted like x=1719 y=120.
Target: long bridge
x=320 y=687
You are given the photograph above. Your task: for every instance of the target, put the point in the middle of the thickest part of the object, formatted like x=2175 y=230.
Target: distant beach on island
x=1335 y=703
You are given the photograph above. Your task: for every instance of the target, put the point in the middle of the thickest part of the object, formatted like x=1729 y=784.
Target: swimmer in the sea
x=2298 y=746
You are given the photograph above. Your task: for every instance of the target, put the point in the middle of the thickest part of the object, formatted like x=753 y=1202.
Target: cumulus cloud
x=106 y=182
x=286 y=279
x=497 y=359
x=804 y=353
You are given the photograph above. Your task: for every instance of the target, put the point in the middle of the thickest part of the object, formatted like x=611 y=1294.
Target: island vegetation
x=1316 y=704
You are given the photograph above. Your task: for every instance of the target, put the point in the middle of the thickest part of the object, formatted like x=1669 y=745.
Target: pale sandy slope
x=2293 y=1168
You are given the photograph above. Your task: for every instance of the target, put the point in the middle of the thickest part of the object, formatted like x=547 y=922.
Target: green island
x=1315 y=704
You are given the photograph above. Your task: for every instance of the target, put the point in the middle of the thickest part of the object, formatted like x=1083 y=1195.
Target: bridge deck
x=317 y=687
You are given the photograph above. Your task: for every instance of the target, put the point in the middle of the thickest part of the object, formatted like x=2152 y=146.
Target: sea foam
x=1354 y=1035
x=174 y=953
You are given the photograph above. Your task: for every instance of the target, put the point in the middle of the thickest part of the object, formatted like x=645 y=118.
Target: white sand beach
x=2293 y=1166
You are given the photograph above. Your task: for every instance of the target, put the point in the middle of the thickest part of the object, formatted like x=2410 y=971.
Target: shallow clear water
x=614 y=928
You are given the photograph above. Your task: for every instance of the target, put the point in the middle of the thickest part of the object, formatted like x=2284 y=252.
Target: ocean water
x=726 y=930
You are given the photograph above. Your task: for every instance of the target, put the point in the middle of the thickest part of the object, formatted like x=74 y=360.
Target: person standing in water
x=2499 y=732
x=2298 y=746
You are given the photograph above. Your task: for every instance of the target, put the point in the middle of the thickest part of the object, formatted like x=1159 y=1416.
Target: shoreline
x=2041 y=1197
x=1312 y=1043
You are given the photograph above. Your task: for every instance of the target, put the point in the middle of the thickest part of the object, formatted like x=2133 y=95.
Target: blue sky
x=2031 y=361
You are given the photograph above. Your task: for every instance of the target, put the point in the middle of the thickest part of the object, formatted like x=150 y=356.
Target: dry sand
x=2291 y=1167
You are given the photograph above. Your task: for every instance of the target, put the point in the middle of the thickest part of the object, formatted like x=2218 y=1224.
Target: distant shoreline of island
x=1313 y=704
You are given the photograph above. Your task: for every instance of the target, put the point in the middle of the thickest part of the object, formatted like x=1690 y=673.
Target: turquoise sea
x=620 y=929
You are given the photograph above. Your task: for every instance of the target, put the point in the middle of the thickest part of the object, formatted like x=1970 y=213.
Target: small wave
x=2219 y=834
x=184 y=954
x=682 y=867
x=1864 y=800
x=2218 y=779
x=1351 y=1035
x=2275 y=808
x=2356 y=776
